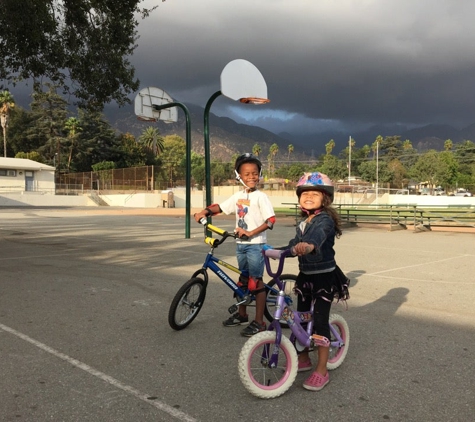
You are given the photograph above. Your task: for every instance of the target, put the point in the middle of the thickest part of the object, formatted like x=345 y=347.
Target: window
x=8 y=173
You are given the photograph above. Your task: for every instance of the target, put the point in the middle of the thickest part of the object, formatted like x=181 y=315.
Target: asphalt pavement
x=84 y=336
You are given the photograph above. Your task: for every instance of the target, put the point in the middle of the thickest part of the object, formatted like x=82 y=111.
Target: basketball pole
x=188 y=160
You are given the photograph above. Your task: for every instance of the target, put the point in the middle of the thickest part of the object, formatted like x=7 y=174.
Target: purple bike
x=268 y=361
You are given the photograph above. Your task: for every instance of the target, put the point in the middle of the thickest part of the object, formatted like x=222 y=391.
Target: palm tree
x=6 y=103
x=273 y=150
x=329 y=146
x=407 y=145
x=73 y=126
x=151 y=138
x=290 y=150
x=376 y=145
x=448 y=145
x=256 y=150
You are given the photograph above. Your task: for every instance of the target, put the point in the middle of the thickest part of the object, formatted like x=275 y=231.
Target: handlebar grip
x=273 y=253
x=211 y=241
x=216 y=230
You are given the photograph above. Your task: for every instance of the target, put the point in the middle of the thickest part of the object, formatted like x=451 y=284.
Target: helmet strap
x=308 y=212
x=238 y=178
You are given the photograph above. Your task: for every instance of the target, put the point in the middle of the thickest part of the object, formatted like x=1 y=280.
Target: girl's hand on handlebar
x=302 y=248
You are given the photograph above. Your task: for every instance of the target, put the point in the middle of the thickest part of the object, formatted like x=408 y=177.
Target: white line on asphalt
x=104 y=377
x=421 y=264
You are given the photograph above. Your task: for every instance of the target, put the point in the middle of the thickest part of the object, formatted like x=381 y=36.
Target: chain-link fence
x=120 y=180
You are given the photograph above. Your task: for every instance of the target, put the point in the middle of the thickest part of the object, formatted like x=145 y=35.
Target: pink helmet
x=315 y=181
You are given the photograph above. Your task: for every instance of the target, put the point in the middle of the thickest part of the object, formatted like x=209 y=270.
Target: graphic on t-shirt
x=242 y=212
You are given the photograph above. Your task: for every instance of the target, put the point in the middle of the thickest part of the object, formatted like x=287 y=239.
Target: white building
x=23 y=175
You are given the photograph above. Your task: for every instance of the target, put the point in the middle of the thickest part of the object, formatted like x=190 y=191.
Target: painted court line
x=420 y=264
x=104 y=377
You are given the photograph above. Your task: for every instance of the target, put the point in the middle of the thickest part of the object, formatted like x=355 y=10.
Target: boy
x=254 y=215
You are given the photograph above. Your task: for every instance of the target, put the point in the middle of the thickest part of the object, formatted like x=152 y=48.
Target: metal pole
x=207 y=153
x=349 y=165
x=377 y=172
x=188 y=161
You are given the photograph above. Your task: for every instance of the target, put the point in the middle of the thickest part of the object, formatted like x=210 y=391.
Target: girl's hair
x=332 y=212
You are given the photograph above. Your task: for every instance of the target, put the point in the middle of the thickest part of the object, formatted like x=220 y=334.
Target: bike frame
x=294 y=318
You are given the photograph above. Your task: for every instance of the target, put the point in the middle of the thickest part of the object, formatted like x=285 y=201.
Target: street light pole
x=349 y=164
x=4 y=122
x=377 y=172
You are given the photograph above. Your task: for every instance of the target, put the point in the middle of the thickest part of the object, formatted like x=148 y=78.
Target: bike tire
x=187 y=303
x=260 y=380
x=338 y=354
x=271 y=296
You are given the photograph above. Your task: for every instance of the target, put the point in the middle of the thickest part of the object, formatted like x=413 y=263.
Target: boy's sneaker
x=253 y=328
x=316 y=382
x=236 y=319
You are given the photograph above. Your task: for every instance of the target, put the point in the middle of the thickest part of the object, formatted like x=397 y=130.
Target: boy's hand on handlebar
x=241 y=233
x=302 y=248
x=199 y=216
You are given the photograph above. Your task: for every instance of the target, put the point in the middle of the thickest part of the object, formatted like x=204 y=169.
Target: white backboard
x=150 y=96
x=241 y=79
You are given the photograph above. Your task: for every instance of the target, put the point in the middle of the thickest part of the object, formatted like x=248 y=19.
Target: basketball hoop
x=147 y=119
x=253 y=100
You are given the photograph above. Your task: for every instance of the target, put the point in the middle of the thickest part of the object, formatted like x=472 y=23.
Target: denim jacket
x=320 y=232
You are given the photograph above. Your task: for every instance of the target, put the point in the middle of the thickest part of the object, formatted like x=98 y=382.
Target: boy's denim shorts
x=250 y=259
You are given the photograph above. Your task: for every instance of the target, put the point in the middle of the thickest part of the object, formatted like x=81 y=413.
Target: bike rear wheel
x=187 y=303
x=272 y=294
x=254 y=371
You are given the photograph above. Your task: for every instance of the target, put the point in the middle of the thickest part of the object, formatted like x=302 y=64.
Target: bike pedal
x=320 y=340
x=232 y=309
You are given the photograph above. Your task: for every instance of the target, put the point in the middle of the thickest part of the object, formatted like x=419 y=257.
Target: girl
x=319 y=277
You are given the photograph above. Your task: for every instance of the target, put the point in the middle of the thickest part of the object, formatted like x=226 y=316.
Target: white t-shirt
x=252 y=210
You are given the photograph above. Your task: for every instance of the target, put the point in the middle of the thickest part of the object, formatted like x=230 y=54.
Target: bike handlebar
x=223 y=233
x=275 y=254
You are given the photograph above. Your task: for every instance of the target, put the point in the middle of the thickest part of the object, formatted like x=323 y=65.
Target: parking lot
x=84 y=336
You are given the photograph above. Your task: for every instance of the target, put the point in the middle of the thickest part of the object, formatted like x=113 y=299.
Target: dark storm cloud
x=347 y=62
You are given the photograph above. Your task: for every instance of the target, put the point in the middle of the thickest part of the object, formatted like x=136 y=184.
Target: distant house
x=23 y=175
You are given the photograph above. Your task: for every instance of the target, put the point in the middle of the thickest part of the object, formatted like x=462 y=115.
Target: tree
x=290 y=150
x=173 y=158
x=448 y=145
x=82 y=45
x=97 y=142
x=329 y=146
x=131 y=153
x=333 y=167
x=152 y=140
x=428 y=168
x=273 y=150
x=6 y=104
x=48 y=120
x=256 y=150
x=73 y=126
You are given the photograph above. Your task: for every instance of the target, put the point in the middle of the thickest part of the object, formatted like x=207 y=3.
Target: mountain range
x=227 y=137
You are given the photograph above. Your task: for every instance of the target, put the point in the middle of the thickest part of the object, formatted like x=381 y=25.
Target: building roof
x=22 y=164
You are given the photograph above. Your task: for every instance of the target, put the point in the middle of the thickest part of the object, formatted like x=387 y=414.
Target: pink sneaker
x=316 y=382
x=305 y=366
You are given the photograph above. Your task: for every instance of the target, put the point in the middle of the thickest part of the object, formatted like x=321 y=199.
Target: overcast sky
x=328 y=64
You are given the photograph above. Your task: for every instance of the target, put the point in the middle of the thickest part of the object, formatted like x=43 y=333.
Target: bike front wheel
x=338 y=353
x=187 y=303
x=272 y=293
x=254 y=365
